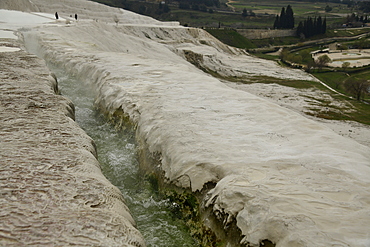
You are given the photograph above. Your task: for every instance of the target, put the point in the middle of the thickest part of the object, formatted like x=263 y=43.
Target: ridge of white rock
x=278 y=175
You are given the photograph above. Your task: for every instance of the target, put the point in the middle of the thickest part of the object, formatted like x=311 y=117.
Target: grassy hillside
x=232 y=38
x=261 y=14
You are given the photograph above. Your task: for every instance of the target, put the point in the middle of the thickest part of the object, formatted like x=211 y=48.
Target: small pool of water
x=4 y=34
x=343 y=61
x=352 y=54
x=12 y=16
x=9 y=49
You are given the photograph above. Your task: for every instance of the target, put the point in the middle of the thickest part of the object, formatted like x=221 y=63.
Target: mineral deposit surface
x=277 y=174
x=52 y=190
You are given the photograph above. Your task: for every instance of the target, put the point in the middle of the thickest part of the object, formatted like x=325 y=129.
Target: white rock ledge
x=52 y=190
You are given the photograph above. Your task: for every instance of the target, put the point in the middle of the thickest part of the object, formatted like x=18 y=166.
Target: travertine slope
x=277 y=174
x=52 y=190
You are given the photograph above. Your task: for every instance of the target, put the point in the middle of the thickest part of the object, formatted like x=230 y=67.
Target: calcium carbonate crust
x=278 y=175
x=53 y=191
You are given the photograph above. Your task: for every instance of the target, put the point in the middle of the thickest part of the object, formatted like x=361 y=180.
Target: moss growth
x=194 y=58
x=118 y=118
x=288 y=83
x=153 y=181
x=184 y=206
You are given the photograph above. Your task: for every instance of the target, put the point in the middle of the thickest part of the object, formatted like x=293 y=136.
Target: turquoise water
x=118 y=158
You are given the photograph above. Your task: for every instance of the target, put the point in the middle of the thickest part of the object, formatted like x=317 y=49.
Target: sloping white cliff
x=278 y=175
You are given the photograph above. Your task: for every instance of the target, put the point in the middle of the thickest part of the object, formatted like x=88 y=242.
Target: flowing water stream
x=118 y=158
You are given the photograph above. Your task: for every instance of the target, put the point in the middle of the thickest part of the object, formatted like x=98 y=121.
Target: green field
x=274 y=7
x=232 y=38
x=230 y=15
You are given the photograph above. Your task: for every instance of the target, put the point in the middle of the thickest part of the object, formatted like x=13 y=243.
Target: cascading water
x=118 y=158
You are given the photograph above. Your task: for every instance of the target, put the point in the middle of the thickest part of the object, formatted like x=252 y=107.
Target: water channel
x=118 y=158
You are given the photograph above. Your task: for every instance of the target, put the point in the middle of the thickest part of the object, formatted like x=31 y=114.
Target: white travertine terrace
x=53 y=192
x=278 y=175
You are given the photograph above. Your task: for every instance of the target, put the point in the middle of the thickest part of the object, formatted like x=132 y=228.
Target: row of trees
x=285 y=20
x=356 y=18
x=364 y=6
x=331 y=1
x=305 y=58
x=246 y=13
x=308 y=28
x=357 y=87
x=207 y=3
x=195 y=7
x=311 y=26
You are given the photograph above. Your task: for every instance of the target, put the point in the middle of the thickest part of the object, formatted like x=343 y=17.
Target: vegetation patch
x=231 y=37
x=184 y=206
x=118 y=118
x=339 y=108
x=183 y=203
x=288 y=83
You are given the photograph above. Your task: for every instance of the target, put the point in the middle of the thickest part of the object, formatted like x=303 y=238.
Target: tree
x=357 y=87
x=296 y=59
x=289 y=15
x=345 y=65
x=319 y=25
x=300 y=30
x=284 y=54
x=166 y=8
x=323 y=30
x=310 y=65
x=311 y=27
x=361 y=44
x=285 y=19
x=306 y=56
x=277 y=22
x=184 y=6
x=208 y=3
x=245 y=13
x=203 y=8
x=323 y=61
x=328 y=8
x=364 y=6
x=282 y=18
x=308 y=27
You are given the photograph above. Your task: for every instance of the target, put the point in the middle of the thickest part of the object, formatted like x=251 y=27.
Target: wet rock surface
x=52 y=189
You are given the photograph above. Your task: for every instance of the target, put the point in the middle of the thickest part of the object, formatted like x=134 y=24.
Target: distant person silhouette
x=56 y=15
x=76 y=17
